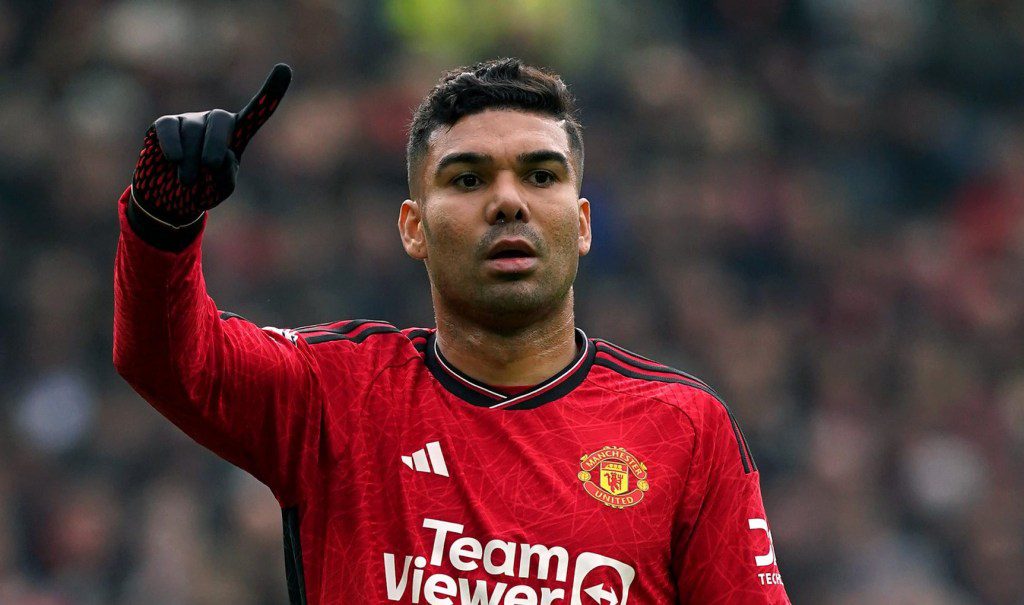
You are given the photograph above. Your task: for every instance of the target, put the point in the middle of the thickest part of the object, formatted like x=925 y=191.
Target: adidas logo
x=418 y=461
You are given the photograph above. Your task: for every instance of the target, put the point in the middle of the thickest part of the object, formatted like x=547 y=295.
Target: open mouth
x=510 y=254
x=511 y=248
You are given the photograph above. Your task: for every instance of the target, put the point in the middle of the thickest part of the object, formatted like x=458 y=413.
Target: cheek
x=567 y=232
x=445 y=237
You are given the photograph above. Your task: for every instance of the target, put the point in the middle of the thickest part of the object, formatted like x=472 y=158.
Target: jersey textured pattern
x=618 y=481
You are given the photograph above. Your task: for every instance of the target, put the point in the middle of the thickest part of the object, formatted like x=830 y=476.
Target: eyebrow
x=464 y=157
x=477 y=159
x=539 y=157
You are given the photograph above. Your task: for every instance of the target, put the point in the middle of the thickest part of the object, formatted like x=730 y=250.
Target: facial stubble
x=461 y=284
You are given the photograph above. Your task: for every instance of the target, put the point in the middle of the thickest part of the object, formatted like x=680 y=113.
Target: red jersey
x=618 y=481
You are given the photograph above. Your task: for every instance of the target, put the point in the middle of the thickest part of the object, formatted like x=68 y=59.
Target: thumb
x=259 y=109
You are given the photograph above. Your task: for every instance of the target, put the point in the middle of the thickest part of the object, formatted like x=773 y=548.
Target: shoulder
x=634 y=366
x=366 y=335
x=354 y=331
x=628 y=370
x=622 y=370
x=370 y=337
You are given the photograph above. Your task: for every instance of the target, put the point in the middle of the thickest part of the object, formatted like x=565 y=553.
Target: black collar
x=483 y=395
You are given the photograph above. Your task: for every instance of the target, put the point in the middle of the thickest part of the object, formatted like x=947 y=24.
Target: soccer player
x=503 y=457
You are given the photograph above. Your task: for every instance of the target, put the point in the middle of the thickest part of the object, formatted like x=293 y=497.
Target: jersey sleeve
x=724 y=552
x=251 y=395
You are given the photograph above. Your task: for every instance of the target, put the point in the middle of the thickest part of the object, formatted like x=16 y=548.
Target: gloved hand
x=189 y=162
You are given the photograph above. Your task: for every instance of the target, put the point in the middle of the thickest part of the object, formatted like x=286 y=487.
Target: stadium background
x=817 y=206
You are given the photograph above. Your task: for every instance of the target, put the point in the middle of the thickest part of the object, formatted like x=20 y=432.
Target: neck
x=520 y=357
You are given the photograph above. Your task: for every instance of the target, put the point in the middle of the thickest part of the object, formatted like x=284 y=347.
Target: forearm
x=172 y=347
x=246 y=393
x=160 y=306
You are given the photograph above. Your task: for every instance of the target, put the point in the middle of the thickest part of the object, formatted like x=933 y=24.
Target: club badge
x=621 y=479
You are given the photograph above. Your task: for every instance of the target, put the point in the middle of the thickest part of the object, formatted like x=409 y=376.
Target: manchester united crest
x=614 y=477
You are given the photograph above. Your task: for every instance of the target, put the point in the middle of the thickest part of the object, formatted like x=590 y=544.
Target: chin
x=519 y=303
x=504 y=305
x=516 y=301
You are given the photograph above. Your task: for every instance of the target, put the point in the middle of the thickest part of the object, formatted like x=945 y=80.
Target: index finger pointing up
x=258 y=110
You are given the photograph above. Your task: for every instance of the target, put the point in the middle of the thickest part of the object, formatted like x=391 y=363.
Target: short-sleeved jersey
x=618 y=481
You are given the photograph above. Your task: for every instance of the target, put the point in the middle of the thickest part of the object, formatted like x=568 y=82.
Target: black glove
x=189 y=162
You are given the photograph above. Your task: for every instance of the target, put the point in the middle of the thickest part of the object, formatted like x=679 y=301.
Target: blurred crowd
x=816 y=206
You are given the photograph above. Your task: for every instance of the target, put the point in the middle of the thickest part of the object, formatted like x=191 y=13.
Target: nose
x=507 y=204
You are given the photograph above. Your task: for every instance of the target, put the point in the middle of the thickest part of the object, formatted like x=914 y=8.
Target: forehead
x=501 y=133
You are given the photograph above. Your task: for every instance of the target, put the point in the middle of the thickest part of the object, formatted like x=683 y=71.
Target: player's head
x=495 y=160
x=497 y=84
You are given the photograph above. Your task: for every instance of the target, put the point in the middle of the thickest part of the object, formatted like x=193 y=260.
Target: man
x=503 y=457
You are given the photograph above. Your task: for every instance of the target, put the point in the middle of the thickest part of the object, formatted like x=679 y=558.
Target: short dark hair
x=495 y=84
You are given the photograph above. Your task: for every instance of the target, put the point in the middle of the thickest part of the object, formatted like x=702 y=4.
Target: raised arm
x=251 y=395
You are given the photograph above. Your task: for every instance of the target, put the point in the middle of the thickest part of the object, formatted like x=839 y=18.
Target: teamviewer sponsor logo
x=596 y=579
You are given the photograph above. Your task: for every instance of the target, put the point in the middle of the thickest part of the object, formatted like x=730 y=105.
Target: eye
x=467 y=181
x=542 y=178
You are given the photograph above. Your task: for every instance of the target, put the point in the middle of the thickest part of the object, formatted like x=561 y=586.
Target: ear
x=410 y=227
x=584 y=239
